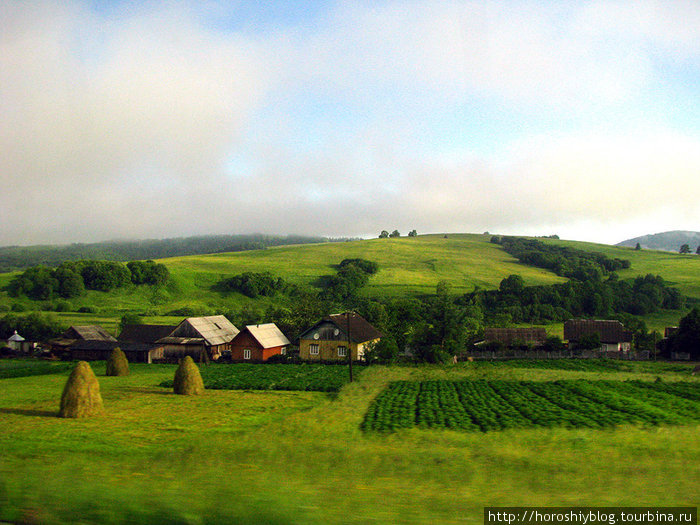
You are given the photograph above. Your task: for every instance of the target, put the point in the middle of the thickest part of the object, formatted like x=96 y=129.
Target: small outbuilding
x=258 y=343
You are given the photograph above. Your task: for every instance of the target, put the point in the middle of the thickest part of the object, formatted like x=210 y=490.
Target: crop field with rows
x=486 y=405
x=305 y=377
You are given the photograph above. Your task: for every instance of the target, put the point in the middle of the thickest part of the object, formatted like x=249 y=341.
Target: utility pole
x=347 y=322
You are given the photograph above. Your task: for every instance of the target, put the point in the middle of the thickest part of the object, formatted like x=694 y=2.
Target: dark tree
x=684 y=249
x=638 y=247
x=687 y=337
x=384 y=234
x=698 y=250
x=413 y=233
x=395 y=233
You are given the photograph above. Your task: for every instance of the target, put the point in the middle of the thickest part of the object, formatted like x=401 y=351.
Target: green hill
x=407 y=266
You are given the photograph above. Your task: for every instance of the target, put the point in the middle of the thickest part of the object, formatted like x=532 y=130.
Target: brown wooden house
x=79 y=333
x=201 y=338
x=258 y=343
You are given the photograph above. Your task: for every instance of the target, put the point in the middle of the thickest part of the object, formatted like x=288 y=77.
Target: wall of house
x=328 y=350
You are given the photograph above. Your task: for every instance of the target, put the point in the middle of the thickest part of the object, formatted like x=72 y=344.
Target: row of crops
x=312 y=377
x=487 y=405
x=586 y=365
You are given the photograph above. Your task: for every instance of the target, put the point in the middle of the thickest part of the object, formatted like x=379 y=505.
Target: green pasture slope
x=247 y=456
x=408 y=266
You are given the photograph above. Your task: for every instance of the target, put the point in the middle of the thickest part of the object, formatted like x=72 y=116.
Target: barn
x=201 y=338
x=101 y=350
x=257 y=343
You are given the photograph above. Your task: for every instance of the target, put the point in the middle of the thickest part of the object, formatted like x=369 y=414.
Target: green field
x=499 y=405
x=408 y=266
x=247 y=456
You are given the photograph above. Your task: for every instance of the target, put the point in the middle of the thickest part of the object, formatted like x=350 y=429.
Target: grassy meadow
x=249 y=456
x=408 y=266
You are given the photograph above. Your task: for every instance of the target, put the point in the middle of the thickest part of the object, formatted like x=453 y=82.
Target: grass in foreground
x=301 y=457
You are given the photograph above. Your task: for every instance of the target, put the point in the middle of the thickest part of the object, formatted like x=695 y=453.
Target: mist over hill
x=666 y=241
x=21 y=257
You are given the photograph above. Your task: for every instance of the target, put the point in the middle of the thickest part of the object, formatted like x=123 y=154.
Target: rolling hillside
x=408 y=266
x=668 y=241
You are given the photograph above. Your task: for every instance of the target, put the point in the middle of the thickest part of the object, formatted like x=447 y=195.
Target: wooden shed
x=101 y=350
x=258 y=343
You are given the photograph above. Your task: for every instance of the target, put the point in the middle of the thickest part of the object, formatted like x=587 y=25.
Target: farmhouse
x=534 y=336
x=258 y=342
x=201 y=338
x=330 y=338
x=613 y=336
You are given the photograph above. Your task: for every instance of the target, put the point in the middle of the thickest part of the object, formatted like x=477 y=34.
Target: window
x=342 y=351
x=246 y=354
x=313 y=349
x=284 y=350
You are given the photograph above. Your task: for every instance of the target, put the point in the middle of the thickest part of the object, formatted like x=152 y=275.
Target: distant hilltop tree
x=413 y=233
x=395 y=233
x=638 y=247
x=384 y=234
x=685 y=248
x=698 y=250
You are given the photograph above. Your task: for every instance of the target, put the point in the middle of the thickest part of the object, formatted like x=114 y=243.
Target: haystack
x=81 y=395
x=117 y=364
x=188 y=380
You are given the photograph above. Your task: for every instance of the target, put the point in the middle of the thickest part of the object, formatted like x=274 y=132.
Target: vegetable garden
x=310 y=377
x=486 y=405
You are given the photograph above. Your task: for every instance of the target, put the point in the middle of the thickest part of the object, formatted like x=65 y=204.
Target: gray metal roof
x=215 y=329
x=16 y=337
x=268 y=335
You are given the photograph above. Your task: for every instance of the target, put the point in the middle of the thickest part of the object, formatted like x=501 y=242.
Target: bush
x=188 y=380
x=117 y=364
x=81 y=395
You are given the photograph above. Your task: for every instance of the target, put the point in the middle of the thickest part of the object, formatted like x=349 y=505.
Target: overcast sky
x=160 y=119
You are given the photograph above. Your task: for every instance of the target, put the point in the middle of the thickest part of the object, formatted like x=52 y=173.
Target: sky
x=137 y=119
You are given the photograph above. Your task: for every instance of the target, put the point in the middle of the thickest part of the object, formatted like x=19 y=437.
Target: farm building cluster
x=336 y=337
x=213 y=338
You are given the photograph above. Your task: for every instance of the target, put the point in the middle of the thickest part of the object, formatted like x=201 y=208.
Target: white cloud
x=127 y=125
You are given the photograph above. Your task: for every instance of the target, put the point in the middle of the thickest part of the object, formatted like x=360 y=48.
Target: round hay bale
x=188 y=380
x=81 y=395
x=117 y=364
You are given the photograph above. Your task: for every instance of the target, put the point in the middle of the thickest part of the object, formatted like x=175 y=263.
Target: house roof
x=215 y=329
x=171 y=340
x=609 y=331
x=88 y=333
x=268 y=335
x=510 y=335
x=144 y=333
x=360 y=330
x=16 y=338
